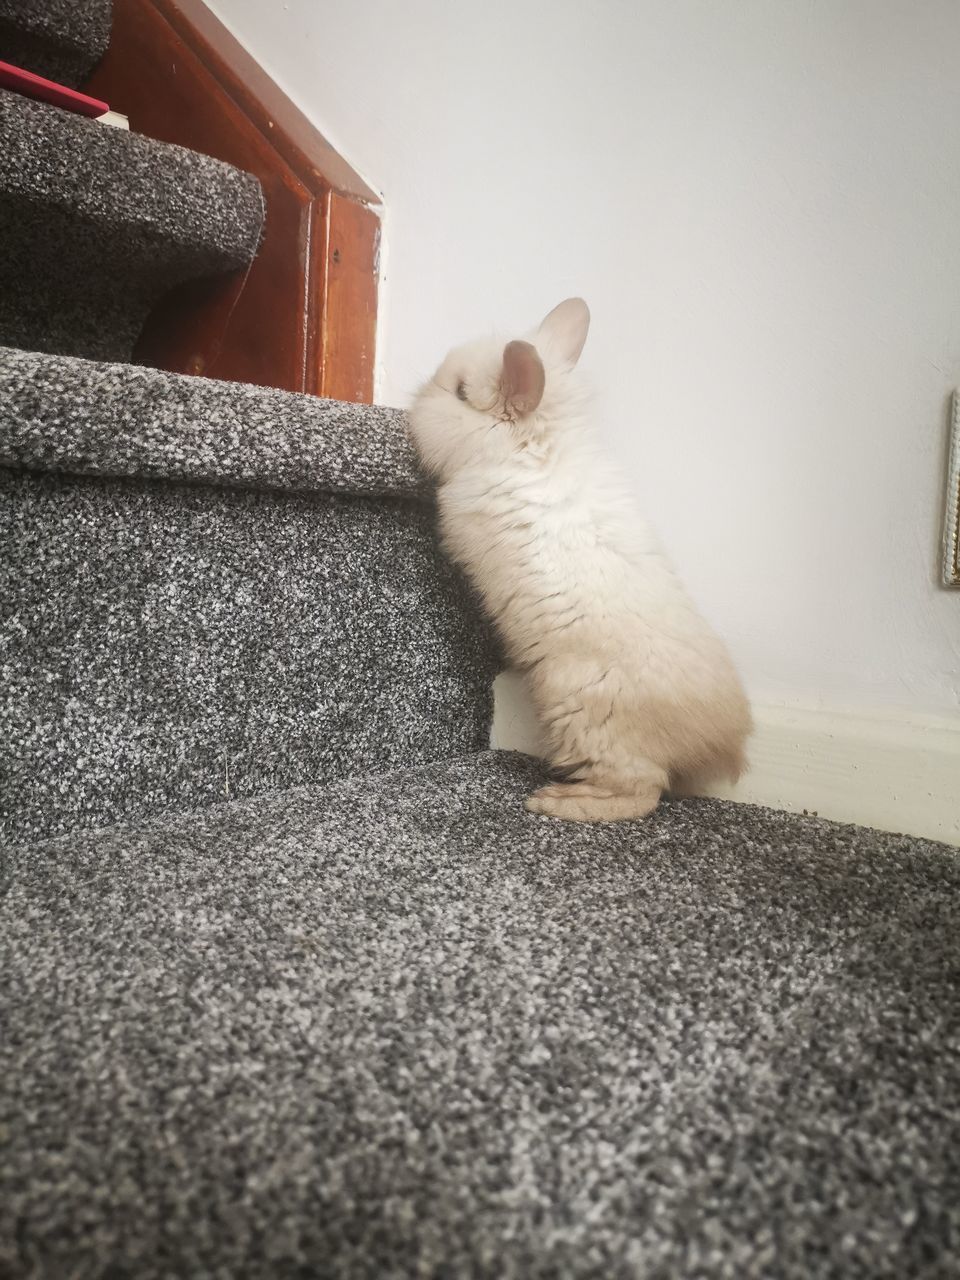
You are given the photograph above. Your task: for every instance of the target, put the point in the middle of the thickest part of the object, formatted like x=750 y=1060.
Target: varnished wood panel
x=303 y=317
x=351 y=248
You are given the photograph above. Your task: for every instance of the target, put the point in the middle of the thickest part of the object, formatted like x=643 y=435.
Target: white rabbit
x=634 y=691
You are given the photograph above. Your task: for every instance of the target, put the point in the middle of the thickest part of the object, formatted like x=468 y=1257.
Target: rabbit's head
x=488 y=397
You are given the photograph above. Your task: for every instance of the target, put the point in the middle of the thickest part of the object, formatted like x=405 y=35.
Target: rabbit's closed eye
x=461 y=390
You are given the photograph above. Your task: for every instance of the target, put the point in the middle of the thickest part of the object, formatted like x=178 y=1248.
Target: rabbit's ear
x=564 y=331
x=523 y=378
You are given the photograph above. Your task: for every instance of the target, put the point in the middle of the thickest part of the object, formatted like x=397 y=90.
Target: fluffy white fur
x=635 y=692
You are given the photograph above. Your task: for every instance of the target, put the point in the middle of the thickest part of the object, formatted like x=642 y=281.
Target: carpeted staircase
x=60 y=39
x=291 y=985
x=100 y=223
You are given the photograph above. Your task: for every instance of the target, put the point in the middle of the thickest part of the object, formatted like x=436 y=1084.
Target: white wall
x=760 y=199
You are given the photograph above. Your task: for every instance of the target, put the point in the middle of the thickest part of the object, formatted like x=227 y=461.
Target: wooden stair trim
x=295 y=137
x=303 y=317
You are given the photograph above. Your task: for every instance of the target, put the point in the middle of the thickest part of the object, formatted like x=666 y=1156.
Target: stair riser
x=170 y=645
x=97 y=225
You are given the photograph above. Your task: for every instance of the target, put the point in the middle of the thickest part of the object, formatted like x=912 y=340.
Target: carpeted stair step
x=211 y=590
x=401 y=1027
x=97 y=224
x=60 y=39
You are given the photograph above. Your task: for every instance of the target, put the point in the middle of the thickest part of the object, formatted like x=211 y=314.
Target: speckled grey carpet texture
x=89 y=418
x=168 y=644
x=97 y=224
x=60 y=39
x=400 y=1027
x=291 y=984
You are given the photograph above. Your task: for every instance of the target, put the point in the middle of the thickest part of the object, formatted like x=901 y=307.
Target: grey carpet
x=400 y=1027
x=88 y=418
x=60 y=39
x=175 y=644
x=382 y=1025
x=97 y=224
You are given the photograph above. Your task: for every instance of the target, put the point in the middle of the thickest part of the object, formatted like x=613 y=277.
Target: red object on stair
x=58 y=95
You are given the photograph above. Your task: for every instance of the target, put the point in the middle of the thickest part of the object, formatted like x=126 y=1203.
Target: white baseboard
x=893 y=770
x=898 y=772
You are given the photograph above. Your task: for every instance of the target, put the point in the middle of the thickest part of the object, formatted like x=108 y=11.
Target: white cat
x=634 y=691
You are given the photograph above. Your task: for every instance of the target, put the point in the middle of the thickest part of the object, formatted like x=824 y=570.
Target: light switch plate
x=951 y=522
